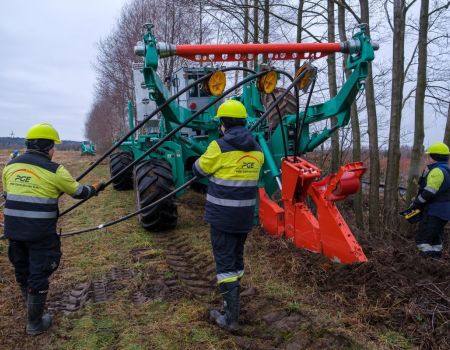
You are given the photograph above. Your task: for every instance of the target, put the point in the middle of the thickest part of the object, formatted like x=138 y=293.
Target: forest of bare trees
x=407 y=82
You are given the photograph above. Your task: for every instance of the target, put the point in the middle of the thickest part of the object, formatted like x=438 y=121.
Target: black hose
x=126 y=217
x=274 y=104
x=171 y=133
x=140 y=125
x=297 y=140
x=281 y=126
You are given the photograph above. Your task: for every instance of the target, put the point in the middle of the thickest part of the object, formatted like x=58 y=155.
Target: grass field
x=125 y=288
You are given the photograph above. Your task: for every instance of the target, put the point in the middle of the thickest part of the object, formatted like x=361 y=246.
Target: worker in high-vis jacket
x=433 y=200
x=233 y=164
x=32 y=184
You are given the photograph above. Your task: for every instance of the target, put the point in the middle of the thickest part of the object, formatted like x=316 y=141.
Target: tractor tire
x=117 y=162
x=152 y=181
x=287 y=106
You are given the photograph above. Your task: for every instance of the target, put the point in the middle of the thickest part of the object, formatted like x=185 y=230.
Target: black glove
x=417 y=205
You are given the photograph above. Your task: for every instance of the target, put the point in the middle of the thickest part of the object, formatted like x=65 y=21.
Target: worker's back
x=32 y=184
x=234 y=163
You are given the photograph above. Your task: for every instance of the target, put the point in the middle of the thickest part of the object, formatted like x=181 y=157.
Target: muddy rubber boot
x=24 y=292
x=37 y=322
x=229 y=319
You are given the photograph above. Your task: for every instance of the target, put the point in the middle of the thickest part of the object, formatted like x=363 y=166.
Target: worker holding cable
x=32 y=184
x=233 y=164
x=433 y=201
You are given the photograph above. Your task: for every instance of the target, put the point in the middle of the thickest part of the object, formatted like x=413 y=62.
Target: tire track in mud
x=99 y=290
x=266 y=323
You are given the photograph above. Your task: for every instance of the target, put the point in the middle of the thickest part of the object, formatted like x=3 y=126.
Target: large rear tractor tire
x=287 y=106
x=117 y=162
x=152 y=181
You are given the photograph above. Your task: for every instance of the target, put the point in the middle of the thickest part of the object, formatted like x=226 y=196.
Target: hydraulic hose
x=298 y=137
x=280 y=117
x=126 y=217
x=277 y=101
x=174 y=131
x=140 y=125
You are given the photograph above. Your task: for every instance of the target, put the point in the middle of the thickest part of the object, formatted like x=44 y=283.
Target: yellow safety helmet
x=438 y=148
x=231 y=109
x=43 y=131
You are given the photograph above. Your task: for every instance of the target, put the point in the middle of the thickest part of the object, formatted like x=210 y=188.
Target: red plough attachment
x=324 y=231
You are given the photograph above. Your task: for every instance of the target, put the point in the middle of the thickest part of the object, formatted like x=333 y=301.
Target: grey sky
x=47 y=48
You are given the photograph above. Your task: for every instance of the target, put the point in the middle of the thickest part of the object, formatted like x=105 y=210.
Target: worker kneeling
x=32 y=184
x=233 y=164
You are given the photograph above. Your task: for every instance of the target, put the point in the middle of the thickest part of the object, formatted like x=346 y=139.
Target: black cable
x=171 y=133
x=126 y=217
x=281 y=126
x=140 y=125
x=311 y=90
x=297 y=120
x=274 y=104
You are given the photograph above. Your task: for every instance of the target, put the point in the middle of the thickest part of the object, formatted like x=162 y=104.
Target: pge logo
x=21 y=178
x=249 y=165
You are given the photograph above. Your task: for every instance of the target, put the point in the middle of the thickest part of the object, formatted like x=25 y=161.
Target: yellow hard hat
x=438 y=148
x=43 y=131
x=232 y=109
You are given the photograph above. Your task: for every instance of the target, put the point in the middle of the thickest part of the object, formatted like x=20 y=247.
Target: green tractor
x=87 y=148
x=185 y=125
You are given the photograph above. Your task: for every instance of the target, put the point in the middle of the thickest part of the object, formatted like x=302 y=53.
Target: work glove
x=99 y=186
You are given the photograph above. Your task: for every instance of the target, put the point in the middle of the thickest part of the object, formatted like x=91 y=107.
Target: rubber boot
x=24 y=291
x=229 y=318
x=37 y=322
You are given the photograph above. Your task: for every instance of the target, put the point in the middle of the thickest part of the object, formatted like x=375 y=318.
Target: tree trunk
x=246 y=31
x=447 y=128
x=356 y=133
x=255 y=27
x=299 y=28
x=331 y=62
x=393 y=162
x=266 y=21
x=417 y=150
x=374 y=154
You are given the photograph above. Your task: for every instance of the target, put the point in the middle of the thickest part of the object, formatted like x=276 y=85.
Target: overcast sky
x=47 y=48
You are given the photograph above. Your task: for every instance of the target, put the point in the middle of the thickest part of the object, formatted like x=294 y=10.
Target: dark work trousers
x=35 y=261
x=430 y=231
x=228 y=250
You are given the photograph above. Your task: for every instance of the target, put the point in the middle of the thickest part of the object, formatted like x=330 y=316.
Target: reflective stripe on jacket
x=32 y=184
x=233 y=164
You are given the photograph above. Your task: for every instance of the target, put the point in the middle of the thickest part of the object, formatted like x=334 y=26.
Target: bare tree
x=393 y=161
x=356 y=133
x=419 y=134
x=372 y=130
x=331 y=62
x=447 y=128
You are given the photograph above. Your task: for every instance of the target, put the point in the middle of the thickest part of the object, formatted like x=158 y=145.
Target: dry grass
x=272 y=268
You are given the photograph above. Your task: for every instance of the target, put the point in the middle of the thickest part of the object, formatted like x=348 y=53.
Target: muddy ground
x=127 y=289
